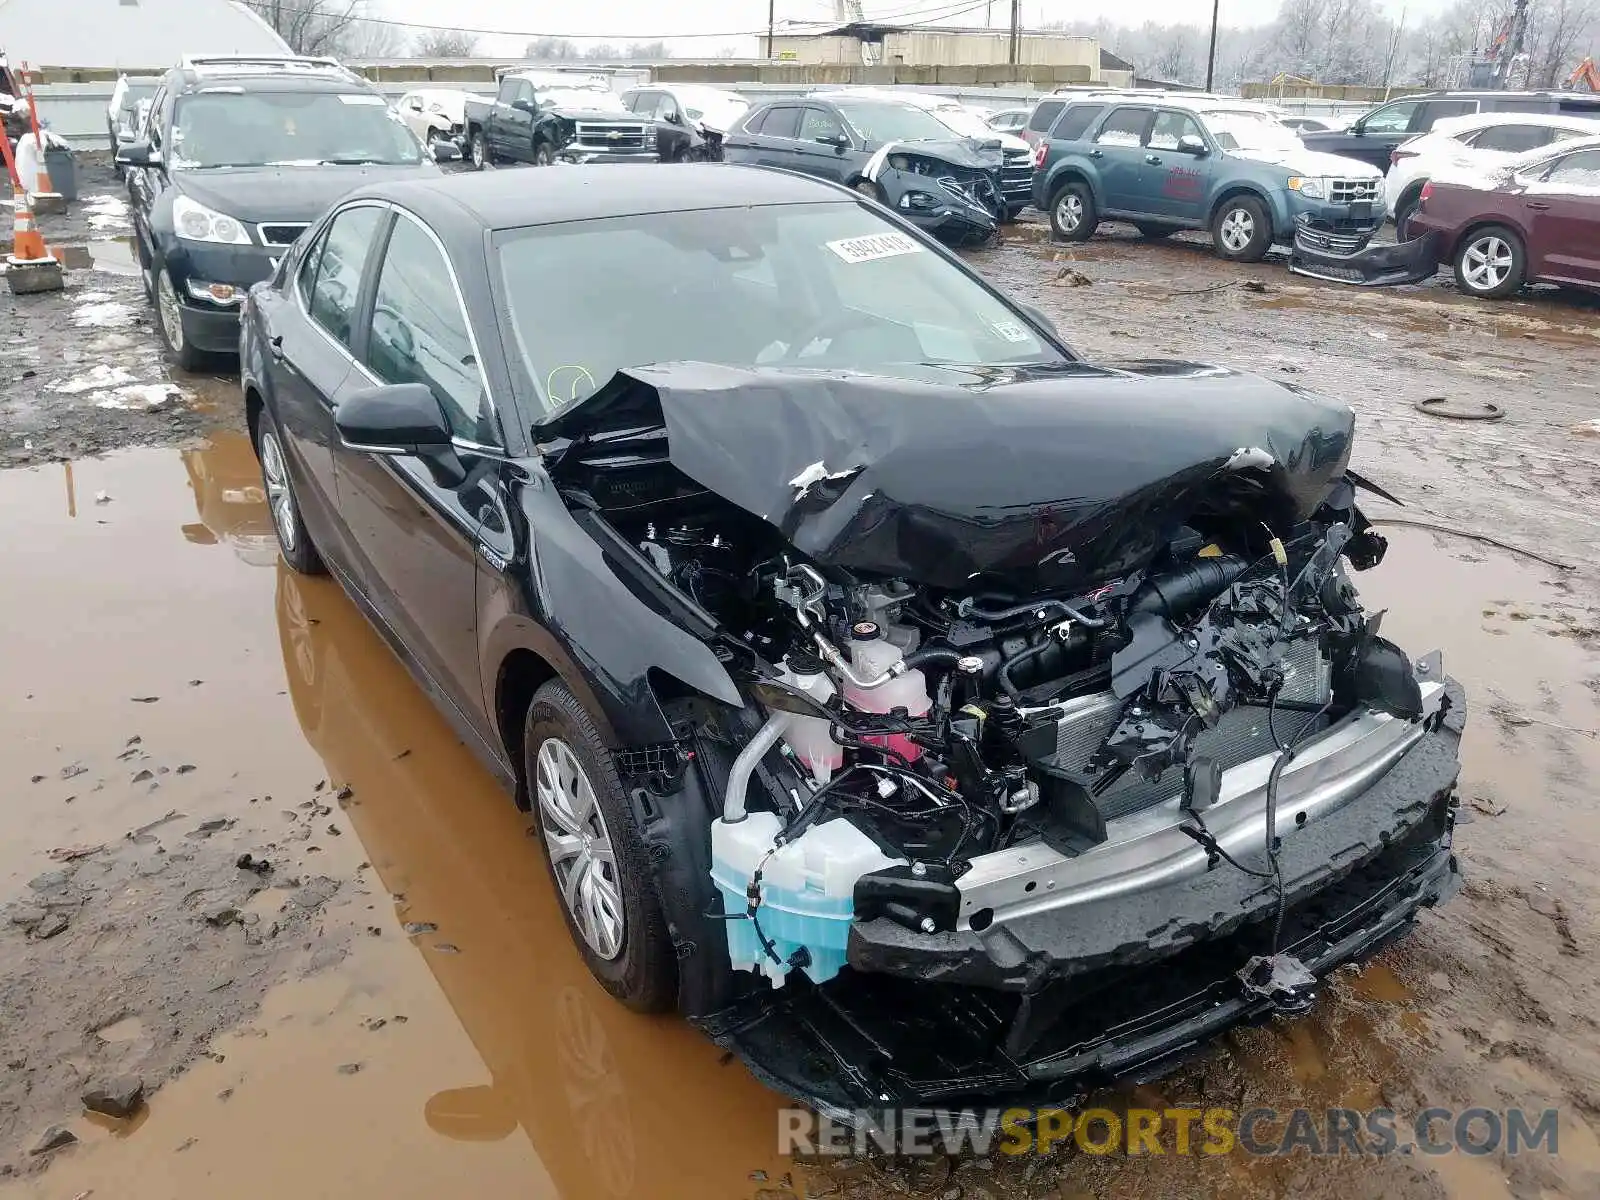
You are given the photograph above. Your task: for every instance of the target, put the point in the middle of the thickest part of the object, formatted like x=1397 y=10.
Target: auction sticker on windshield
x=358 y=98
x=875 y=245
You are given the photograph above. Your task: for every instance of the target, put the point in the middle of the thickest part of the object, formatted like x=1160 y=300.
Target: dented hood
x=1054 y=477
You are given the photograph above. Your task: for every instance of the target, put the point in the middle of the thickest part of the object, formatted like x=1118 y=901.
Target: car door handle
x=1537 y=204
x=275 y=347
x=1153 y=159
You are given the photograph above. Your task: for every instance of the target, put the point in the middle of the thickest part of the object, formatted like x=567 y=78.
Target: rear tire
x=282 y=503
x=1072 y=213
x=1403 y=212
x=1491 y=263
x=479 y=151
x=596 y=857
x=867 y=188
x=1242 y=230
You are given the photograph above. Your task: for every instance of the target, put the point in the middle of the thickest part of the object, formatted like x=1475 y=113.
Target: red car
x=1534 y=220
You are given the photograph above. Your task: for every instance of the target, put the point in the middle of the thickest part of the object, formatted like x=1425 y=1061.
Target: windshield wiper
x=360 y=162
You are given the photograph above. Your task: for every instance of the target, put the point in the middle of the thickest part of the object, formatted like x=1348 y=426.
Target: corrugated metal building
x=852 y=45
x=129 y=34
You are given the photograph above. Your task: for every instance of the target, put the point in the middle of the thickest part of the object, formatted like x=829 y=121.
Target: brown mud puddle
x=474 y=1056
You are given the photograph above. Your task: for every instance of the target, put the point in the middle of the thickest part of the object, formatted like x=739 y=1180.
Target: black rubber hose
x=1016 y=660
x=929 y=655
x=1178 y=593
x=1006 y=614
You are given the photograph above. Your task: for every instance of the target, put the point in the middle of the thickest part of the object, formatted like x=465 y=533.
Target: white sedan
x=1481 y=140
x=434 y=113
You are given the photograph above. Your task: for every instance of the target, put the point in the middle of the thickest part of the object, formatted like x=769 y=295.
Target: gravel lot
x=391 y=1006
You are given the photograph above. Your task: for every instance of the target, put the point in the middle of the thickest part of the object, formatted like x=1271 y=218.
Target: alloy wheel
x=170 y=312
x=1487 y=262
x=580 y=848
x=480 y=152
x=279 y=498
x=1238 y=227
x=1069 y=212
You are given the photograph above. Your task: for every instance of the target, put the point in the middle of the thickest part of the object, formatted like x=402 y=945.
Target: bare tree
x=552 y=49
x=313 y=26
x=374 y=39
x=1561 y=30
x=643 y=50
x=444 y=43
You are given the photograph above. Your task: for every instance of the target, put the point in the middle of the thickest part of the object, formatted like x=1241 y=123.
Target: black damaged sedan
x=931 y=716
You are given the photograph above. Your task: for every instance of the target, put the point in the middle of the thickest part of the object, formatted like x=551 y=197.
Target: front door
x=1564 y=221
x=418 y=536
x=824 y=145
x=1118 y=152
x=1178 y=181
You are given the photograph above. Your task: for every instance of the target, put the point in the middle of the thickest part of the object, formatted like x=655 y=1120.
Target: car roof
x=265 y=73
x=513 y=199
x=1485 y=120
x=690 y=89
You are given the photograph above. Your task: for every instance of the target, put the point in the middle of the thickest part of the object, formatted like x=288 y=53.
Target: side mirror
x=139 y=153
x=1359 y=129
x=401 y=419
x=837 y=140
x=1193 y=144
x=673 y=118
x=522 y=104
x=445 y=151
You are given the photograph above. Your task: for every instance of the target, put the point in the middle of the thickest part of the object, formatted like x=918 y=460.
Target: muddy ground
x=391 y=1006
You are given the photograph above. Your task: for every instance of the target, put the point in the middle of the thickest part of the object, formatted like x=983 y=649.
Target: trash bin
x=63 y=170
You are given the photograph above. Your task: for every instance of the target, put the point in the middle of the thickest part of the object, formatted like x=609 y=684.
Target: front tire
x=870 y=190
x=1072 y=214
x=293 y=539
x=1403 y=212
x=543 y=155
x=479 y=151
x=169 y=320
x=1242 y=230
x=596 y=857
x=1491 y=263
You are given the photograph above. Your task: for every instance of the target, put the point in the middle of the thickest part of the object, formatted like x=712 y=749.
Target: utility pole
x=772 y=11
x=1016 y=32
x=1211 y=55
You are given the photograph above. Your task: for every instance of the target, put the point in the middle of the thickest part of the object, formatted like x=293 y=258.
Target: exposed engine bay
x=932 y=687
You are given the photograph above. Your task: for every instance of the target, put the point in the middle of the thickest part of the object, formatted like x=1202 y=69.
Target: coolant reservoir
x=871 y=655
x=811 y=738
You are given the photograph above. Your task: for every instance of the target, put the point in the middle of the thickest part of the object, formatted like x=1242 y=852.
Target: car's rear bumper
x=1355 y=260
x=1033 y=1010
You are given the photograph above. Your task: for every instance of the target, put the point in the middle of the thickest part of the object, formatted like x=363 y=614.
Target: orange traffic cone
x=46 y=199
x=29 y=267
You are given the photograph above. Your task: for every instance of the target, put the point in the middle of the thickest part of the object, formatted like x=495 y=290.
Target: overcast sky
x=644 y=20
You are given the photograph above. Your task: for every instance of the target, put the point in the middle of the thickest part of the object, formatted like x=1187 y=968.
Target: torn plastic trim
x=1149 y=849
x=1367 y=265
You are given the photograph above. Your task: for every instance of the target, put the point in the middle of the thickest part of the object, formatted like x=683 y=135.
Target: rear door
x=310 y=340
x=824 y=144
x=1564 y=221
x=1179 y=181
x=419 y=538
x=778 y=143
x=1118 y=152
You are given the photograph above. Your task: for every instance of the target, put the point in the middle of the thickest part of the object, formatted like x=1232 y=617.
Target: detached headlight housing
x=1310 y=186
x=197 y=223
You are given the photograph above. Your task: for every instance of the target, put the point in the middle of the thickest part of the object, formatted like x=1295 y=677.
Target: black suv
x=1373 y=138
x=236 y=158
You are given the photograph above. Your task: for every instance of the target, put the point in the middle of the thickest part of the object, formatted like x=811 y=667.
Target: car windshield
x=1250 y=131
x=253 y=129
x=591 y=99
x=885 y=121
x=806 y=285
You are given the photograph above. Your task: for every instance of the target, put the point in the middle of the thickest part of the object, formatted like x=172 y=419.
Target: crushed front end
x=955 y=191
x=1059 y=754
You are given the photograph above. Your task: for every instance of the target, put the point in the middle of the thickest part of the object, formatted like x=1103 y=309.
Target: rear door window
x=342 y=261
x=1124 y=127
x=1075 y=122
x=781 y=121
x=1044 y=114
x=1430 y=111
x=1513 y=139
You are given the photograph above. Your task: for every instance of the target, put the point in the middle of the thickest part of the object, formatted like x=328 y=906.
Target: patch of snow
x=106 y=315
x=106 y=212
x=142 y=397
x=96 y=378
x=93 y=297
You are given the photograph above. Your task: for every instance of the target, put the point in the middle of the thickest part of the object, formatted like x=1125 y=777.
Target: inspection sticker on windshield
x=356 y=98
x=876 y=245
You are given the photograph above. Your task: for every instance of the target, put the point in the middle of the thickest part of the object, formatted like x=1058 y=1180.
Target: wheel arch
x=1479 y=225
x=1063 y=176
x=1234 y=191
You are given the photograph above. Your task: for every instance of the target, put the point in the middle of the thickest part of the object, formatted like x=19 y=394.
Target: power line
x=936 y=13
